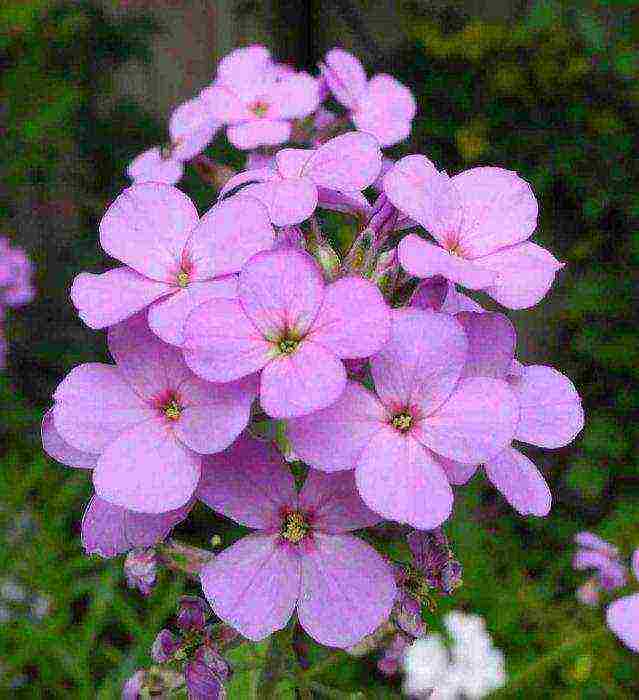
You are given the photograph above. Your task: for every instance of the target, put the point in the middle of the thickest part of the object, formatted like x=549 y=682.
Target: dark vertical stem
x=296 y=29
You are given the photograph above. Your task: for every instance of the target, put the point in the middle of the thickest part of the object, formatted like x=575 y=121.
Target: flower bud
x=133 y=687
x=164 y=646
x=211 y=657
x=202 y=683
x=289 y=236
x=192 y=613
x=140 y=568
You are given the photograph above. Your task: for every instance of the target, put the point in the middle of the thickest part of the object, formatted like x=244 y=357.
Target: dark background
x=545 y=88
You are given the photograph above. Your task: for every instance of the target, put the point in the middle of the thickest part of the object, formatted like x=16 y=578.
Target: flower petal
x=521 y=483
x=146 y=469
x=228 y=235
x=345 y=76
x=245 y=178
x=221 y=343
x=94 y=404
x=340 y=324
x=259 y=132
x=491 y=344
x=499 y=209
x=423 y=259
x=168 y=317
x=109 y=530
x=551 y=411
x=623 y=619
x=281 y=290
x=245 y=69
x=253 y=585
x=525 y=273
x=102 y=300
x=309 y=379
x=60 y=450
x=401 y=480
x=348 y=590
x=458 y=474
x=147 y=227
x=420 y=365
x=191 y=128
x=386 y=109
x=289 y=201
x=475 y=424
x=249 y=483
x=152 y=166
x=295 y=96
x=333 y=439
x=224 y=104
x=416 y=188
x=335 y=503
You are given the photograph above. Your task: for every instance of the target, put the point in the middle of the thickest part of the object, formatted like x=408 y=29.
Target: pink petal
x=110 y=530
x=288 y=201
x=491 y=344
x=224 y=104
x=309 y=379
x=168 y=317
x=521 y=483
x=457 y=473
x=476 y=423
x=345 y=76
x=295 y=96
x=152 y=166
x=281 y=290
x=335 y=503
x=353 y=203
x=525 y=273
x=347 y=163
x=228 y=235
x=551 y=412
x=192 y=128
x=250 y=175
x=146 y=228
x=259 y=132
x=402 y=481
x=499 y=209
x=423 y=259
x=340 y=324
x=290 y=162
x=249 y=483
x=416 y=188
x=333 y=439
x=94 y=404
x=148 y=365
x=623 y=619
x=213 y=415
x=347 y=591
x=147 y=470
x=431 y=293
x=253 y=585
x=102 y=300
x=245 y=69
x=62 y=451
x=420 y=365
x=222 y=344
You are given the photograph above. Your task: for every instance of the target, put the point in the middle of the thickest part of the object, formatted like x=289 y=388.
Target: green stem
x=320 y=667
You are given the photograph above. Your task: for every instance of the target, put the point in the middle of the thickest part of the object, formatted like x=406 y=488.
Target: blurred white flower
x=471 y=668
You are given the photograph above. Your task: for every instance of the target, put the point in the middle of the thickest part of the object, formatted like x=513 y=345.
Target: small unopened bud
x=289 y=237
x=390 y=662
x=202 y=683
x=192 y=613
x=386 y=271
x=211 y=657
x=133 y=687
x=164 y=646
x=589 y=592
x=140 y=568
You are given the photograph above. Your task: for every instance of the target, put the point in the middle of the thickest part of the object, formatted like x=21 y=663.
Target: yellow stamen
x=182 y=279
x=402 y=422
x=288 y=346
x=173 y=410
x=295 y=528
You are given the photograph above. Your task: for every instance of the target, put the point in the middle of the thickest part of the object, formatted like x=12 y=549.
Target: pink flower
x=257 y=99
x=423 y=406
x=438 y=294
x=481 y=220
x=191 y=129
x=381 y=106
x=16 y=271
x=550 y=413
x=623 y=615
x=143 y=424
x=288 y=323
x=170 y=255
x=595 y=553
x=332 y=176
x=302 y=555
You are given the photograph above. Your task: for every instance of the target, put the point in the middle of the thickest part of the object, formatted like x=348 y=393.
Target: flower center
x=454 y=250
x=172 y=409
x=259 y=108
x=287 y=346
x=294 y=528
x=402 y=421
x=182 y=279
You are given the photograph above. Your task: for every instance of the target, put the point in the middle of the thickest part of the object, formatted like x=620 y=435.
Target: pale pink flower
x=291 y=325
x=382 y=106
x=257 y=99
x=16 y=272
x=302 y=556
x=423 y=407
x=623 y=615
x=170 y=255
x=481 y=221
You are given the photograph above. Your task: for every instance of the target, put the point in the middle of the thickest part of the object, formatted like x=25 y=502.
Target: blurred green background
x=545 y=88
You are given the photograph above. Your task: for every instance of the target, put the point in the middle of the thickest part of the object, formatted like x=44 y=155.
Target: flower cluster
x=386 y=385
x=16 y=286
